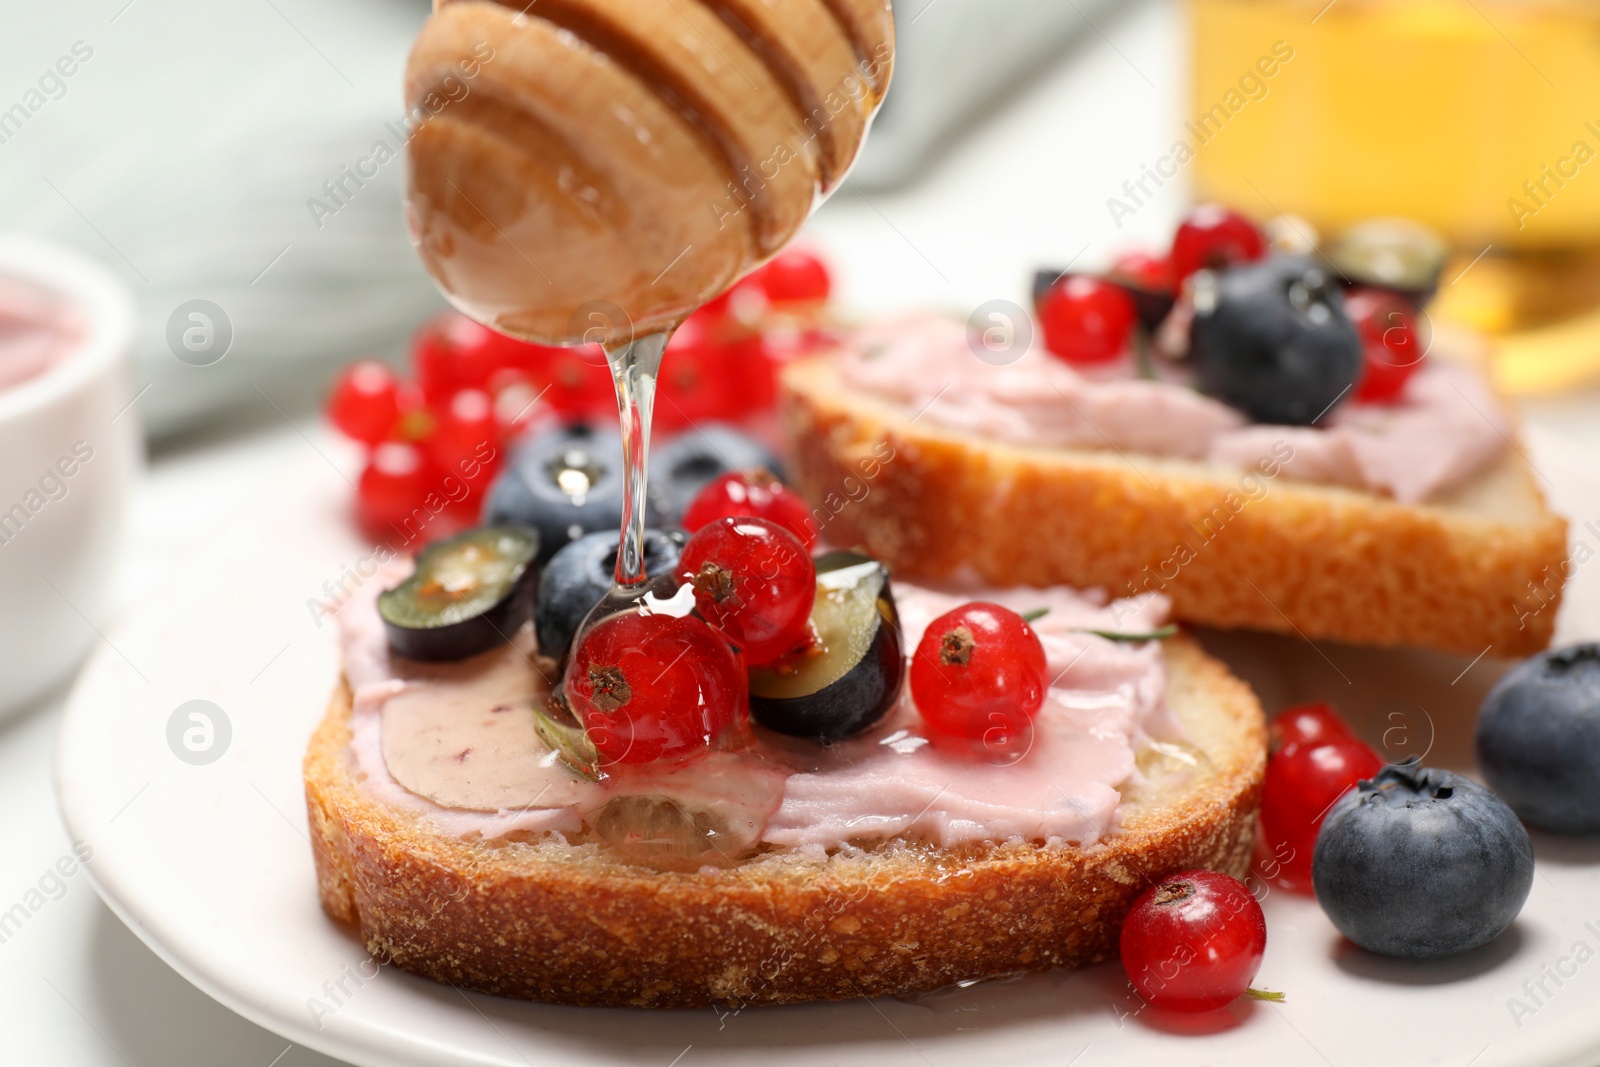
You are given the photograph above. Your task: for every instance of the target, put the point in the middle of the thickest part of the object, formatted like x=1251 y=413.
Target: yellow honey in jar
x=1480 y=118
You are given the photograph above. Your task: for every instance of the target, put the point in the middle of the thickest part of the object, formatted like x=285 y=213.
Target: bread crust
x=567 y=923
x=1478 y=571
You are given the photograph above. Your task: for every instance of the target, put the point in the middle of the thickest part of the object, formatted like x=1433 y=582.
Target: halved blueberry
x=1272 y=340
x=684 y=464
x=1396 y=254
x=1539 y=739
x=855 y=679
x=1152 y=304
x=565 y=483
x=1421 y=863
x=579 y=576
x=467 y=594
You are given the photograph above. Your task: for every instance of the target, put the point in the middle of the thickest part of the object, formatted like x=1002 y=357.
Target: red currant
x=574 y=382
x=695 y=381
x=754 y=581
x=795 y=276
x=1141 y=269
x=517 y=404
x=1212 y=236
x=451 y=352
x=756 y=494
x=466 y=441
x=753 y=365
x=1302 y=782
x=1194 y=941
x=1086 y=320
x=1391 y=351
x=365 y=402
x=720 y=305
x=396 y=480
x=979 y=672
x=1307 y=724
x=651 y=687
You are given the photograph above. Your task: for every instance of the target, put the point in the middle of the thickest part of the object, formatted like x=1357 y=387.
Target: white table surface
x=1027 y=187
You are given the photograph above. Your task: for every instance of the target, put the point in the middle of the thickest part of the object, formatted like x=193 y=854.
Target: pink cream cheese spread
x=1446 y=427
x=455 y=743
x=37 y=330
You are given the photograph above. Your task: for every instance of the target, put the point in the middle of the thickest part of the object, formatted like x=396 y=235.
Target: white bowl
x=68 y=450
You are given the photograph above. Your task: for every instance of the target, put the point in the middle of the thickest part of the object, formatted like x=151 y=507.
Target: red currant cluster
x=1315 y=760
x=1194 y=941
x=650 y=687
x=1087 y=320
x=436 y=441
x=978 y=675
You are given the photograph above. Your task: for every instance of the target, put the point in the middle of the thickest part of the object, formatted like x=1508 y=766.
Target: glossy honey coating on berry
x=654 y=687
x=752 y=580
x=849 y=673
x=466 y=594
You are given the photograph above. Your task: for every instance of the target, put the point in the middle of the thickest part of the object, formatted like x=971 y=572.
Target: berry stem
x=1160 y=633
x=1265 y=994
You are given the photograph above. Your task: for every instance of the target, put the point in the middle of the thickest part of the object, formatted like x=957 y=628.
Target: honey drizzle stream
x=634 y=367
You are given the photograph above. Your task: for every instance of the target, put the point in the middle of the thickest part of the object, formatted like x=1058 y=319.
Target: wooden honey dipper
x=596 y=169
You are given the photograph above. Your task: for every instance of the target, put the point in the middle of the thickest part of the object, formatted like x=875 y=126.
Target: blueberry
x=565 y=482
x=1539 y=739
x=1272 y=340
x=682 y=465
x=580 y=574
x=1421 y=863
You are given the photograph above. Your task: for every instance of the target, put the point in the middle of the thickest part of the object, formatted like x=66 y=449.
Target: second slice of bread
x=1479 y=570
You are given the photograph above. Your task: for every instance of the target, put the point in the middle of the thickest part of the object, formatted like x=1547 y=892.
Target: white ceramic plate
x=209 y=864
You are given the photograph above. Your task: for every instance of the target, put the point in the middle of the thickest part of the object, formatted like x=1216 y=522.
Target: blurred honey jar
x=1477 y=118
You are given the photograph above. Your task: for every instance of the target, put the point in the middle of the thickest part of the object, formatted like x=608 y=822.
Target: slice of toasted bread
x=548 y=920
x=1479 y=570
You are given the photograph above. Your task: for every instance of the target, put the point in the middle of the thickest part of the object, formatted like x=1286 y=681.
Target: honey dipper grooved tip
x=593 y=169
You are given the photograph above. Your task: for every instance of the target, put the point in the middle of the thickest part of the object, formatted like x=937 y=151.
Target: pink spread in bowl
x=455 y=744
x=38 y=329
x=1446 y=427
